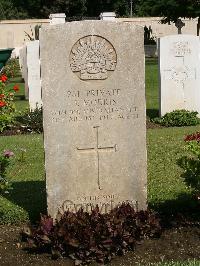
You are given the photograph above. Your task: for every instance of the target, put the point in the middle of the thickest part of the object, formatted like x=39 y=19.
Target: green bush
x=178 y=118
x=6 y=121
x=11 y=68
x=191 y=163
x=31 y=121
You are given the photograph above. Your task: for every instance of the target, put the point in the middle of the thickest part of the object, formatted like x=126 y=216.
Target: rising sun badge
x=93 y=58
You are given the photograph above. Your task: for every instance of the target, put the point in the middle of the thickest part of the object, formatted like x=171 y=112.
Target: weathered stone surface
x=34 y=83
x=94 y=115
x=179 y=57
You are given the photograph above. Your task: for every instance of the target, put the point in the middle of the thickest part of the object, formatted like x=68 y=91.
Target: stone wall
x=159 y=29
x=13 y=31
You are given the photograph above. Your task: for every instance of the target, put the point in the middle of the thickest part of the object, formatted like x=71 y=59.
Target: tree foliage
x=170 y=10
x=90 y=8
x=29 y=8
x=12 y=9
x=9 y=11
x=70 y=8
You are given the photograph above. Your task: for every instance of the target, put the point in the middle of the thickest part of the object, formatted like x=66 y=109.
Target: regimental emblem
x=93 y=58
x=181 y=48
x=180 y=74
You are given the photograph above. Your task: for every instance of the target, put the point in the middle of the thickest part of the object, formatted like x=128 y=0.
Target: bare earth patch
x=177 y=244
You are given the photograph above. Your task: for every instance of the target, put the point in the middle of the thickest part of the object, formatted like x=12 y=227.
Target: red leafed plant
x=94 y=236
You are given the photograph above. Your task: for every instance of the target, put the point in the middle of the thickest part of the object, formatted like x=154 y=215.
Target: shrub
x=193 y=143
x=5 y=121
x=11 y=68
x=4 y=163
x=97 y=237
x=7 y=107
x=31 y=121
x=191 y=163
x=178 y=118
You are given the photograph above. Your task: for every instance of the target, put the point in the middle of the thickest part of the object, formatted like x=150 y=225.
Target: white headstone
x=179 y=68
x=94 y=115
x=108 y=16
x=34 y=83
x=24 y=69
x=15 y=52
x=58 y=18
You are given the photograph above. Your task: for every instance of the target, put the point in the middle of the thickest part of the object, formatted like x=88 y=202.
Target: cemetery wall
x=160 y=30
x=13 y=31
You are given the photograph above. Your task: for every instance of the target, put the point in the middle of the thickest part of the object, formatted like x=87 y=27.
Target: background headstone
x=179 y=63
x=108 y=16
x=34 y=83
x=198 y=26
x=179 y=24
x=58 y=18
x=24 y=69
x=94 y=115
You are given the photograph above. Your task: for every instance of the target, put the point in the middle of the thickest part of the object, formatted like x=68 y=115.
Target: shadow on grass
x=152 y=113
x=20 y=98
x=184 y=204
x=151 y=61
x=18 y=79
x=184 y=210
x=31 y=196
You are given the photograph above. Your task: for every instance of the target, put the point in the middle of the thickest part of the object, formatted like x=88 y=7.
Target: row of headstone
x=29 y=59
x=179 y=68
x=34 y=81
x=24 y=69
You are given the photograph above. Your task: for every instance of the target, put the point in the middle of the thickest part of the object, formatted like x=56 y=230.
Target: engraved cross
x=97 y=149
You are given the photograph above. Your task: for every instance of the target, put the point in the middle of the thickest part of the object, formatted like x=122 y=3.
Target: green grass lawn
x=167 y=190
x=152 y=85
x=187 y=263
x=20 y=103
x=27 y=199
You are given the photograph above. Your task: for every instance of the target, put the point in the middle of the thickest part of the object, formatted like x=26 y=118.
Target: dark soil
x=178 y=244
x=13 y=131
x=10 y=132
x=152 y=125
